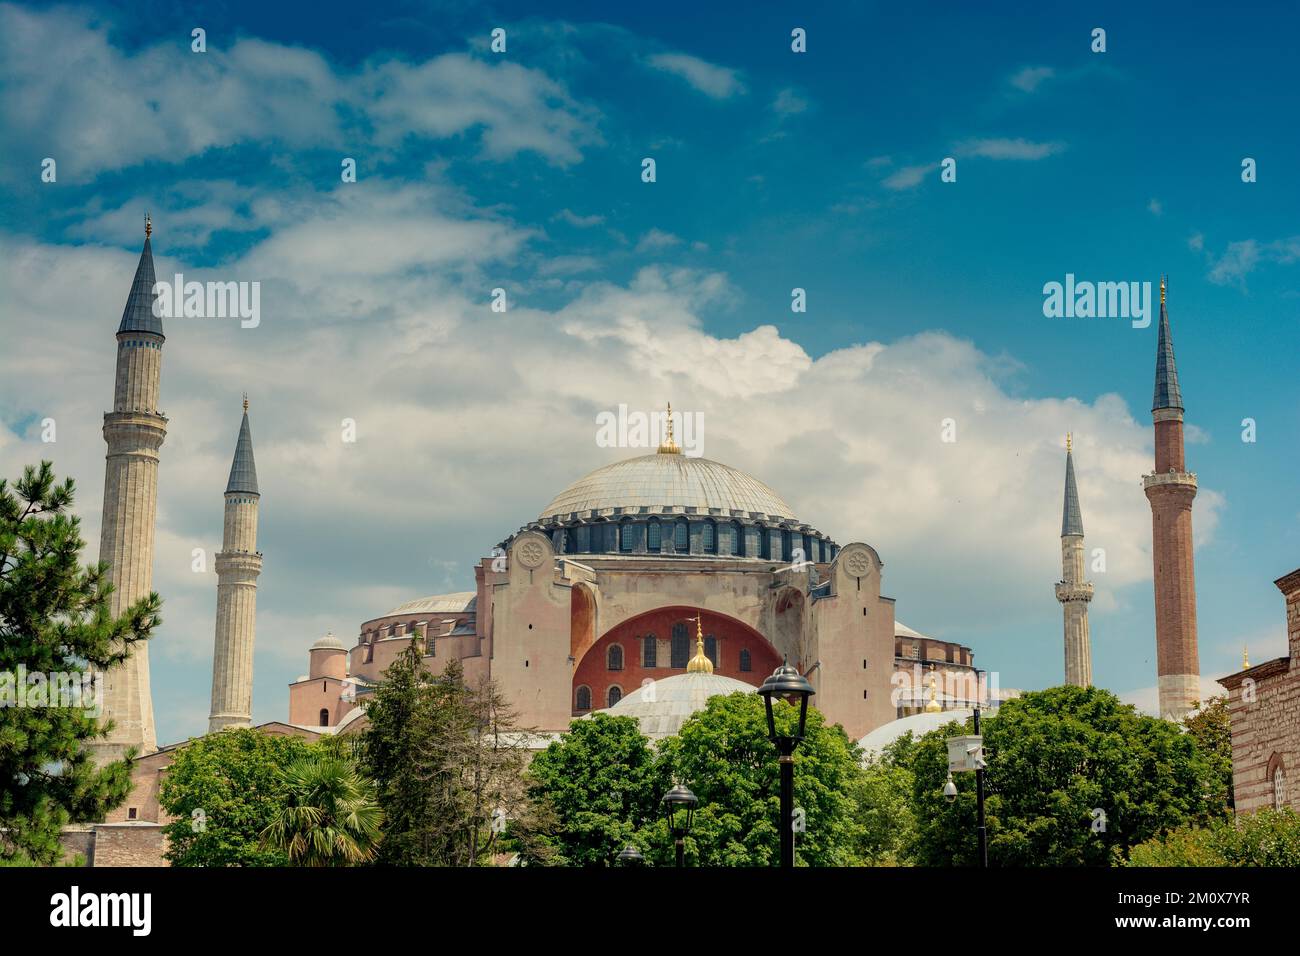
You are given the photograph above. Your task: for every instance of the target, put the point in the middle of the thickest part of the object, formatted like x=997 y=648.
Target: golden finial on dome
x=933 y=706
x=1245 y=658
x=670 y=447
x=700 y=663
x=148 y=226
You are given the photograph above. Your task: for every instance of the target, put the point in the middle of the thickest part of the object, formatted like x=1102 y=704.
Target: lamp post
x=679 y=808
x=789 y=685
x=967 y=753
x=629 y=855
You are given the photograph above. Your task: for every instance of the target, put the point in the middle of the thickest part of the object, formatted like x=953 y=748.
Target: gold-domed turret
x=700 y=663
x=933 y=706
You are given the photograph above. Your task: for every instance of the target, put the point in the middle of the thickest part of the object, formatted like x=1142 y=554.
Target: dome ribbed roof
x=662 y=706
x=667 y=481
x=329 y=642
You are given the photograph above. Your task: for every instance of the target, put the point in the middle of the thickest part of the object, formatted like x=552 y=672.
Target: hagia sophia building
x=642 y=588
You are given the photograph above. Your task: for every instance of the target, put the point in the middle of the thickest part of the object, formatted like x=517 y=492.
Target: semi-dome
x=667 y=482
x=662 y=706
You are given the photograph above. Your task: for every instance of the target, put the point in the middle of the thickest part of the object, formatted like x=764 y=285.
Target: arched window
x=324 y=717
x=652 y=540
x=598 y=539
x=711 y=649
x=786 y=553
x=681 y=537
x=710 y=538
x=764 y=544
x=613 y=696
x=614 y=659
x=582 y=700
x=625 y=536
x=746 y=661
x=681 y=645
x=737 y=542
x=649 y=651
x=1279 y=787
x=570 y=541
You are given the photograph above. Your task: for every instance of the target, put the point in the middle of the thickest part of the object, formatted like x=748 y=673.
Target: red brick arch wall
x=733 y=637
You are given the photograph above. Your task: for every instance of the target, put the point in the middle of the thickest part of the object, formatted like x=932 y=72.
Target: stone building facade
x=583 y=605
x=1264 y=708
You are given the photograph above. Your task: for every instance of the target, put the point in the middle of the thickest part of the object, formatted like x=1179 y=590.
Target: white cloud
x=111 y=109
x=789 y=103
x=657 y=240
x=1029 y=78
x=1156 y=207
x=1022 y=149
x=907 y=177
x=580 y=222
x=1241 y=258
x=714 y=81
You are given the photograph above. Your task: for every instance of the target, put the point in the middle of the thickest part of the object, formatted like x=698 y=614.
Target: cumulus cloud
x=718 y=82
x=907 y=177
x=1029 y=78
x=469 y=420
x=656 y=240
x=1241 y=258
x=115 y=109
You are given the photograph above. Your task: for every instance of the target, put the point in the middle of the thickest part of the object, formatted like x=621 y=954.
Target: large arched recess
x=734 y=638
x=582 y=620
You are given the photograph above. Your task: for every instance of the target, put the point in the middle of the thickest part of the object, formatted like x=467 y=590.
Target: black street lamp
x=979 y=785
x=679 y=808
x=789 y=685
x=629 y=855
x=963 y=753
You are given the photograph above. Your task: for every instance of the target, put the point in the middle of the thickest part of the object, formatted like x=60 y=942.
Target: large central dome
x=664 y=481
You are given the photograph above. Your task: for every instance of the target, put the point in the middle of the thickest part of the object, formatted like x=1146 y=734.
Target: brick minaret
x=1072 y=590
x=238 y=566
x=1170 y=489
x=134 y=431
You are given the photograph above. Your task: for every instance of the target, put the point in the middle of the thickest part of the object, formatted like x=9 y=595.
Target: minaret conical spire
x=138 y=316
x=1167 y=393
x=243 y=470
x=1071 y=518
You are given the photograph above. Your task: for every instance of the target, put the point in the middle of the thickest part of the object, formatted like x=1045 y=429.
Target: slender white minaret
x=238 y=566
x=134 y=431
x=1072 y=590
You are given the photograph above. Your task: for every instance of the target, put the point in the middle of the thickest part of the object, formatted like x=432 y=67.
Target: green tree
x=1212 y=731
x=602 y=784
x=723 y=754
x=1263 y=838
x=54 y=620
x=221 y=791
x=1075 y=778
x=882 y=794
x=327 y=814
x=449 y=761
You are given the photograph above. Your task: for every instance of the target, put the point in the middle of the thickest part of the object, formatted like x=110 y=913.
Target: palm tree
x=328 y=814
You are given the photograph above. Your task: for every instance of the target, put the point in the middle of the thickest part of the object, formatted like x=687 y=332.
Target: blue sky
x=775 y=170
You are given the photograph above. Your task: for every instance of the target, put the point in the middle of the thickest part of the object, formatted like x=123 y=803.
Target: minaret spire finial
x=148 y=226
x=245 y=401
x=1069 y=442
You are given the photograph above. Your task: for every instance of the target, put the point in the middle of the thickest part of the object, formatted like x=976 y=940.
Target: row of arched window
x=726 y=538
x=680 y=651
x=582 y=697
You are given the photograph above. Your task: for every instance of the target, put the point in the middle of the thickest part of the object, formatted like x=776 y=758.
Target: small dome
x=917 y=724
x=662 y=706
x=329 y=642
x=455 y=603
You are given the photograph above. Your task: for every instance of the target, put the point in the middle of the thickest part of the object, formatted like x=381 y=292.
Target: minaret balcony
x=1073 y=592
x=1186 y=479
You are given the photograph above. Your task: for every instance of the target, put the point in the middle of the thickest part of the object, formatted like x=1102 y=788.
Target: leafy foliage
x=1263 y=838
x=222 y=791
x=326 y=814
x=54 y=619
x=1074 y=778
x=602 y=784
x=1212 y=731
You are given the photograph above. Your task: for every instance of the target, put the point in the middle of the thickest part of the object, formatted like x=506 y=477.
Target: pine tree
x=55 y=623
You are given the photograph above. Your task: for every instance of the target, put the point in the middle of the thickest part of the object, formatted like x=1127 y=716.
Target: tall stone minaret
x=238 y=566
x=1072 y=590
x=134 y=431
x=1170 y=489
